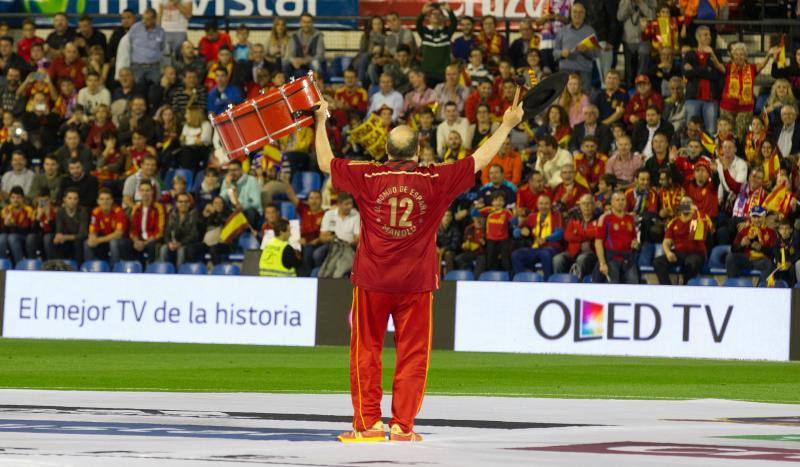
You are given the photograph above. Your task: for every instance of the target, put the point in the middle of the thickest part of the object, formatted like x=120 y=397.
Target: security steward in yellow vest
x=278 y=258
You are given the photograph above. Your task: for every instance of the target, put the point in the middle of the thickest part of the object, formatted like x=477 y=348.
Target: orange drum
x=251 y=125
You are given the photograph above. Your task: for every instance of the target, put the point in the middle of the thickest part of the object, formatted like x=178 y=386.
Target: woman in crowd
x=276 y=45
x=370 y=48
x=738 y=93
x=484 y=125
x=557 y=125
x=195 y=140
x=573 y=100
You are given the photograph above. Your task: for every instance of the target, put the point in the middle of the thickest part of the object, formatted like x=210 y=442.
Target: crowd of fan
x=679 y=150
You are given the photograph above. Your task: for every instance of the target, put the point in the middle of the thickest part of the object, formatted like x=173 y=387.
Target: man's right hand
x=671 y=257
x=514 y=114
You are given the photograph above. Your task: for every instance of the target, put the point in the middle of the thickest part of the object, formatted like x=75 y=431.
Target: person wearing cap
x=702 y=190
x=684 y=243
x=147 y=41
x=212 y=41
x=644 y=98
x=752 y=247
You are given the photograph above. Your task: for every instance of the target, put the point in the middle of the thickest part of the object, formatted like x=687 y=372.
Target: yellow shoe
x=396 y=434
x=376 y=434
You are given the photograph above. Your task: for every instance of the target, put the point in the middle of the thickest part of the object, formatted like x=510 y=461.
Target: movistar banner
x=223 y=9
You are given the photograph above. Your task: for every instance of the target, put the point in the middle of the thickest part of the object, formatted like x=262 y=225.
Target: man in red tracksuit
x=396 y=267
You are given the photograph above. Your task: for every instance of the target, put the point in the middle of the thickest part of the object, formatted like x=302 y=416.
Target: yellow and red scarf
x=740 y=84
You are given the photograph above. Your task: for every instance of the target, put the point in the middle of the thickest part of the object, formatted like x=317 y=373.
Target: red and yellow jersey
x=639 y=204
x=17 y=220
x=106 y=223
x=689 y=237
x=497 y=222
x=401 y=205
x=617 y=232
x=592 y=171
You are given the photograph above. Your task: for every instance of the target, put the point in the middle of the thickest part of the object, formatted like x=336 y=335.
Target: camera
x=18 y=131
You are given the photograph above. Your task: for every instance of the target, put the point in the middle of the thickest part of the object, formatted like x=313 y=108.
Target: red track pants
x=412 y=315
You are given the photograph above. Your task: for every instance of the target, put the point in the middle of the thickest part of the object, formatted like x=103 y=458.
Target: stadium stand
x=686 y=153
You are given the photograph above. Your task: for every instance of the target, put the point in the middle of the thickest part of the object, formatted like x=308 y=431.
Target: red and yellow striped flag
x=708 y=143
x=591 y=42
x=779 y=200
x=234 y=226
x=781 y=60
x=772 y=167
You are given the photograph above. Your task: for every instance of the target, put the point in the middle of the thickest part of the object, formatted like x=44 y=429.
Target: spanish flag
x=699 y=222
x=779 y=200
x=581 y=180
x=781 y=60
x=708 y=143
x=772 y=167
x=590 y=42
x=234 y=226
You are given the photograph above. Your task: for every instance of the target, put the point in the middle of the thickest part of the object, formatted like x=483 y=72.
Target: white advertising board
x=160 y=308
x=601 y=319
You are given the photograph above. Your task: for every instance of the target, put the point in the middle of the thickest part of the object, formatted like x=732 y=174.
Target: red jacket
x=638 y=105
x=474 y=100
x=156 y=219
x=704 y=197
x=650 y=202
x=577 y=232
x=573 y=195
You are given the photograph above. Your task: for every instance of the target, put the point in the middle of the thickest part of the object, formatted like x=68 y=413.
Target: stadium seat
x=459 y=275
x=646 y=255
x=95 y=265
x=5 y=264
x=315 y=272
x=304 y=182
x=29 y=265
x=198 y=180
x=193 y=268
x=225 y=269
x=128 y=267
x=248 y=242
x=287 y=210
x=703 y=281
x=71 y=263
x=528 y=277
x=737 y=282
x=716 y=260
x=160 y=267
x=494 y=276
x=565 y=278
x=587 y=279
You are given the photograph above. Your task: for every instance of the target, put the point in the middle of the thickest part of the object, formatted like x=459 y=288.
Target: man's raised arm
x=323 y=146
x=489 y=149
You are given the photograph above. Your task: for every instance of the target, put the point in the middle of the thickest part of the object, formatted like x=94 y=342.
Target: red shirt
x=154 y=224
x=496 y=223
x=528 y=199
x=22 y=219
x=593 y=171
x=474 y=100
x=209 y=50
x=577 y=233
x=356 y=100
x=617 y=232
x=573 y=194
x=309 y=222
x=402 y=205
x=94 y=140
x=103 y=224
x=764 y=235
x=59 y=69
x=24 y=47
x=704 y=197
x=648 y=204
x=638 y=105
x=683 y=235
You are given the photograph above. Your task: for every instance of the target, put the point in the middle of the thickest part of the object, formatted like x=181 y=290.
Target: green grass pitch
x=131 y=366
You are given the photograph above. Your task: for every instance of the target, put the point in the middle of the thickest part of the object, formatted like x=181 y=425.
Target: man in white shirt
x=550 y=159
x=386 y=97
x=788 y=137
x=19 y=175
x=93 y=94
x=342 y=223
x=452 y=122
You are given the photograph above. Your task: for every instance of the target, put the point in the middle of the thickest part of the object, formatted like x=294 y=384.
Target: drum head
x=542 y=96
